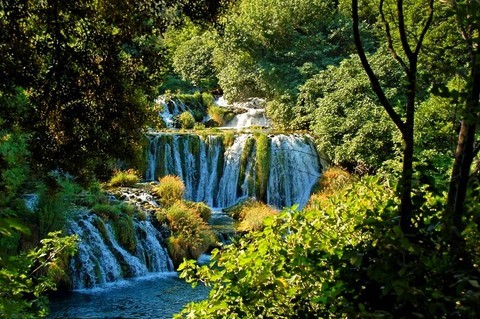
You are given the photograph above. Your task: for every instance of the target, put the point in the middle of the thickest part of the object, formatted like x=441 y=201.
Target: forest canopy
x=386 y=88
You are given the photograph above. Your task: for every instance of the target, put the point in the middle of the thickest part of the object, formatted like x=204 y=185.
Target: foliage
x=125 y=232
x=343 y=256
x=190 y=233
x=269 y=47
x=170 y=190
x=228 y=138
x=27 y=277
x=88 y=69
x=333 y=179
x=201 y=209
x=186 y=119
x=346 y=113
x=193 y=61
x=262 y=165
x=107 y=211
x=283 y=271
x=217 y=114
x=13 y=164
x=252 y=215
x=124 y=178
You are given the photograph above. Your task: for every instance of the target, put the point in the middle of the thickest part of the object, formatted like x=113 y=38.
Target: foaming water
x=157 y=295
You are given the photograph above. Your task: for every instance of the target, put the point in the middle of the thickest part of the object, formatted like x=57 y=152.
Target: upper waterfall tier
x=249 y=113
x=222 y=169
x=246 y=114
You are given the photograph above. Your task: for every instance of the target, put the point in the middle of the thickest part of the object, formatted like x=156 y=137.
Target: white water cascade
x=250 y=113
x=101 y=259
x=170 y=109
x=220 y=174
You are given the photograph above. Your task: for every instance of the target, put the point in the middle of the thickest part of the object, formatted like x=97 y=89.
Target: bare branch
x=425 y=27
x=389 y=38
x=376 y=87
x=402 y=31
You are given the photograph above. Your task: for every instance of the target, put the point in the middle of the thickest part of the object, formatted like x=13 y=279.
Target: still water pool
x=157 y=295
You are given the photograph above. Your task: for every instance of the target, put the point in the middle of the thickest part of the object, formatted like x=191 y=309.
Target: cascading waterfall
x=170 y=109
x=251 y=113
x=221 y=175
x=218 y=169
x=101 y=259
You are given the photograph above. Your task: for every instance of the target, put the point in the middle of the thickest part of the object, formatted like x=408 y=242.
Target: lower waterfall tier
x=101 y=259
x=222 y=169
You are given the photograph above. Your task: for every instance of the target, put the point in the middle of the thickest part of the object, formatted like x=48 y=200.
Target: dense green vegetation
x=400 y=246
x=397 y=97
x=190 y=234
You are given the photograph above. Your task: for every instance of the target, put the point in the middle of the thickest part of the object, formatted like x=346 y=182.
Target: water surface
x=158 y=295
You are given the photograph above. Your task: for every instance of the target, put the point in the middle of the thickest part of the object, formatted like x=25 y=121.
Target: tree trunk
x=464 y=153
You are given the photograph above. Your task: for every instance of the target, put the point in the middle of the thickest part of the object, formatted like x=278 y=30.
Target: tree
x=90 y=69
x=467 y=17
x=345 y=113
x=410 y=51
x=270 y=47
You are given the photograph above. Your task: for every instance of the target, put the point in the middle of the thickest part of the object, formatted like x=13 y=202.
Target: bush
x=216 y=113
x=286 y=270
x=170 y=190
x=343 y=257
x=252 y=216
x=201 y=209
x=186 y=119
x=124 y=178
x=191 y=235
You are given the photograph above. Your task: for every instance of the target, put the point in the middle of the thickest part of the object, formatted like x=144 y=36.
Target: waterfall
x=170 y=109
x=250 y=113
x=220 y=174
x=101 y=259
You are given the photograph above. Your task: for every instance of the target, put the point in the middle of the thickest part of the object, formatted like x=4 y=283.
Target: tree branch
x=425 y=27
x=376 y=87
x=389 y=39
x=402 y=30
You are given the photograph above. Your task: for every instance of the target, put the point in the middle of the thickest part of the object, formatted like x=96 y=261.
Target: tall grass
x=170 y=190
x=252 y=215
x=190 y=234
x=126 y=178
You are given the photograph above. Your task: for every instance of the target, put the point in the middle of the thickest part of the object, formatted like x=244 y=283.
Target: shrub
x=287 y=270
x=252 y=216
x=216 y=113
x=170 y=190
x=191 y=235
x=124 y=178
x=202 y=209
x=186 y=119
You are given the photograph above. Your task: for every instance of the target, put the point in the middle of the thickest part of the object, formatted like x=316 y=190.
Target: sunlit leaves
x=288 y=269
x=25 y=278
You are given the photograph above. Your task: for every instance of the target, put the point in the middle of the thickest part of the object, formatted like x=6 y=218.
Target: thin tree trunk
x=406 y=127
x=464 y=153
